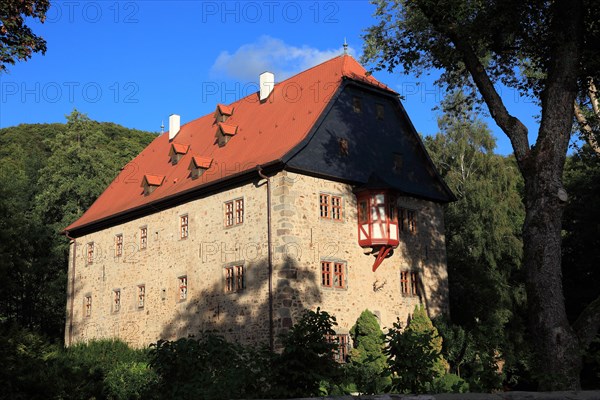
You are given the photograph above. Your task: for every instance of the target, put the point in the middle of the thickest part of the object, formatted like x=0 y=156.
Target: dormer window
x=225 y=132
x=177 y=151
x=151 y=182
x=223 y=112
x=198 y=165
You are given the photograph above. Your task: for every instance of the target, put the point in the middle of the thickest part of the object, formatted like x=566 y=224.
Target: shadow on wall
x=243 y=315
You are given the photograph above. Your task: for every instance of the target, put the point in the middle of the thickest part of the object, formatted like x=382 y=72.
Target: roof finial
x=162 y=127
x=345 y=47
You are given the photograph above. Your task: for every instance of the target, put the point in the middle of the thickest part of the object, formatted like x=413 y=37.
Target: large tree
x=546 y=50
x=17 y=40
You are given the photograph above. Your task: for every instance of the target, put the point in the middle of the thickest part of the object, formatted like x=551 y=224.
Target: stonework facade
x=242 y=236
x=148 y=280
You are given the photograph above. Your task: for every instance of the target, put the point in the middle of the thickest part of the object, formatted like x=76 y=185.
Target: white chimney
x=174 y=125
x=267 y=84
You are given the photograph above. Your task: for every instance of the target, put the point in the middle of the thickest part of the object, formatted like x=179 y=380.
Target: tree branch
x=587 y=324
x=510 y=125
x=587 y=129
x=593 y=93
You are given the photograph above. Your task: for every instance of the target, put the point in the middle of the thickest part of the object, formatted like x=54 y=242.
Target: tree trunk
x=557 y=350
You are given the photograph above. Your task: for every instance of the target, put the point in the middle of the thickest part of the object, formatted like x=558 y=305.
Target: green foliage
x=484 y=248
x=307 y=357
x=367 y=367
x=414 y=354
x=581 y=247
x=17 y=40
x=449 y=383
x=49 y=174
x=209 y=367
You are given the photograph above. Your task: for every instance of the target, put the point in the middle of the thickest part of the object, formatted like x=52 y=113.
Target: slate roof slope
x=266 y=131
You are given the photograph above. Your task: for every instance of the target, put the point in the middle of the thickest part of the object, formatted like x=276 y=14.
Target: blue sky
x=136 y=62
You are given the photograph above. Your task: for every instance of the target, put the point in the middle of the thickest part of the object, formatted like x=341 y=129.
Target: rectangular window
x=363 y=216
x=356 y=105
x=404 y=282
x=183 y=287
x=330 y=207
x=235 y=279
x=116 y=300
x=87 y=306
x=234 y=212
x=118 y=245
x=324 y=205
x=229 y=213
x=339 y=276
x=380 y=111
x=143 y=238
x=333 y=274
x=90 y=253
x=141 y=300
x=183 y=227
x=408 y=220
x=341 y=353
x=409 y=283
x=239 y=211
x=325 y=273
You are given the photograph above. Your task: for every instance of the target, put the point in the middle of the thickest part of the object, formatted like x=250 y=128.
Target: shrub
x=367 y=368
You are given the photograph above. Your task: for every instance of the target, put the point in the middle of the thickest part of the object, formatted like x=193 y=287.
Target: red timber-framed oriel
x=377 y=223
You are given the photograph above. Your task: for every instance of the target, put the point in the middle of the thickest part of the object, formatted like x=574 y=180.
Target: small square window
x=183 y=287
x=118 y=245
x=183 y=227
x=344 y=146
x=87 y=306
x=90 y=253
x=143 y=238
x=116 y=300
x=141 y=299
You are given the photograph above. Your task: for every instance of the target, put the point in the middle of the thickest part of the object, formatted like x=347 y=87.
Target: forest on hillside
x=50 y=174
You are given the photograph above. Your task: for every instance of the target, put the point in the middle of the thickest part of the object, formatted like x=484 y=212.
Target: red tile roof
x=177 y=148
x=153 y=180
x=225 y=110
x=201 y=162
x=265 y=132
x=228 y=129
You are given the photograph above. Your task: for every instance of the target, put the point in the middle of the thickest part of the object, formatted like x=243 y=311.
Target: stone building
x=312 y=192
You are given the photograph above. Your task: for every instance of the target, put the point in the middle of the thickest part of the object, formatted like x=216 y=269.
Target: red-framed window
x=90 y=253
x=239 y=211
x=330 y=207
x=340 y=354
x=404 y=282
x=183 y=226
x=143 y=237
x=333 y=274
x=183 y=287
x=118 y=245
x=234 y=212
x=235 y=278
x=409 y=283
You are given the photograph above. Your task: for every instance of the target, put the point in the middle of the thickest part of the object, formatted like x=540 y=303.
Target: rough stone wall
x=304 y=239
x=301 y=240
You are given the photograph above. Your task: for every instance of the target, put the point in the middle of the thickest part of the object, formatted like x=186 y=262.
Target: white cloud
x=270 y=54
